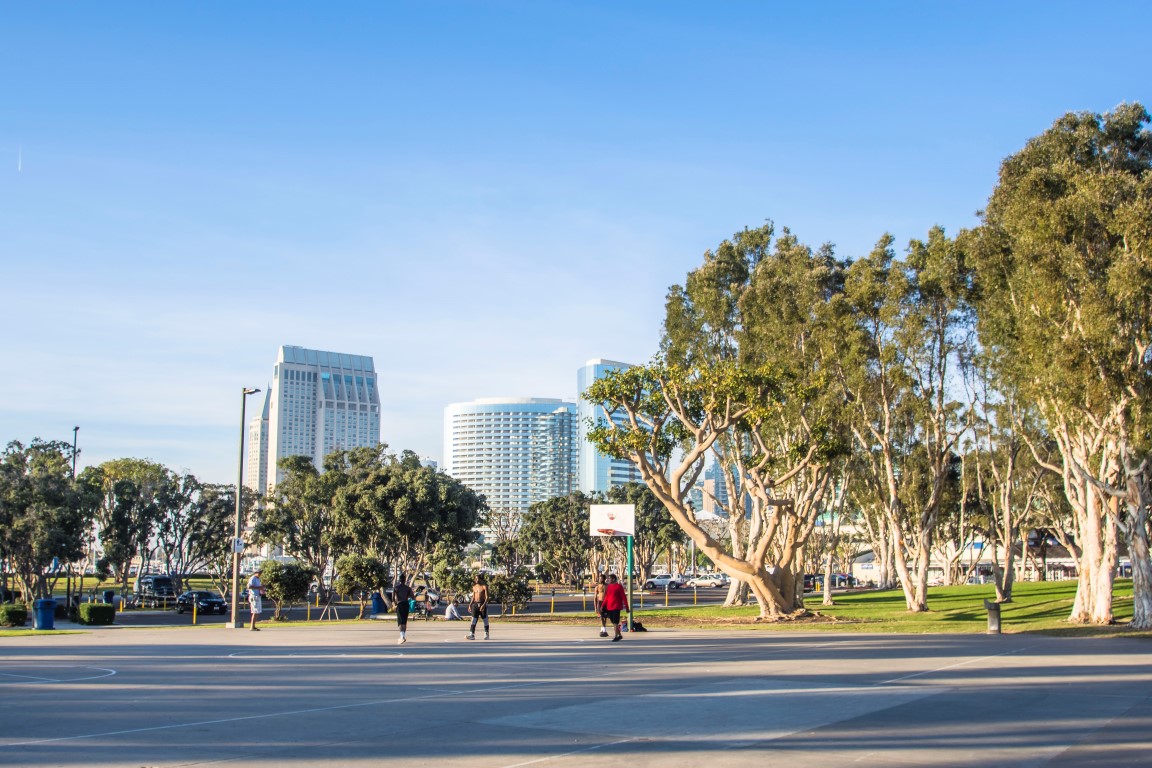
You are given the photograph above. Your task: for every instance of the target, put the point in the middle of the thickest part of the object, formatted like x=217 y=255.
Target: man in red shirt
x=615 y=600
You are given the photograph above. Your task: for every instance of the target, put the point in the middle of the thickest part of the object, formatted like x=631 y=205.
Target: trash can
x=45 y=614
x=993 y=617
x=109 y=597
x=378 y=606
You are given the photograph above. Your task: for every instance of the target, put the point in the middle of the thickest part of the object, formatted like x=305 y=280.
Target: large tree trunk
x=1096 y=532
x=1138 y=506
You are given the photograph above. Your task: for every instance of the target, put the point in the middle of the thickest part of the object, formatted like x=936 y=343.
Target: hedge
x=96 y=613
x=13 y=615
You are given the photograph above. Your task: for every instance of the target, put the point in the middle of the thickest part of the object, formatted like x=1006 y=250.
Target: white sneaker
x=485 y=635
x=470 y=636
x=401 y=641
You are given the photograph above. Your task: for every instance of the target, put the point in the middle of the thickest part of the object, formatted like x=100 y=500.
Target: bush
x=96 y=613
x=13 y=615
x=511 y=592
x=359 y=575
x=285 y=583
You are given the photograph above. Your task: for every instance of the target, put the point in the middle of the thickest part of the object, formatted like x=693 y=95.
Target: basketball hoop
x=607 y=531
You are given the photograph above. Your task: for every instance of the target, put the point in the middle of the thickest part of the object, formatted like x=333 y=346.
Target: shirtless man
x=479 y=606
x=598 y=605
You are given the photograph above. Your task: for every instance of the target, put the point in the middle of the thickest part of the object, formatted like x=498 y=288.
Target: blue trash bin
x=109 y=597
x=45 y=614
x=378 y=606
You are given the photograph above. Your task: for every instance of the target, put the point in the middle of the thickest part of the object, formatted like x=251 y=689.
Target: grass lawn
x=1040 y=607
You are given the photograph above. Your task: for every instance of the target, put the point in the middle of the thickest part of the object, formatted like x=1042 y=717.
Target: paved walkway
x=347 y=695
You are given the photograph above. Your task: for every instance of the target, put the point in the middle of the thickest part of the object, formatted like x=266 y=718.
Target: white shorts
x=255 y=605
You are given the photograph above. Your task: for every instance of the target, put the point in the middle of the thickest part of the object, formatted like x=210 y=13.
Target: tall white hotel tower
x=515 y=451
x=599 y=472
x=319 y=402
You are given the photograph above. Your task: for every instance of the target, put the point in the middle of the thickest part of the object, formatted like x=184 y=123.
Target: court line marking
x=954 y=666
x=109 y=673
x=262 y=716
x=378 y=702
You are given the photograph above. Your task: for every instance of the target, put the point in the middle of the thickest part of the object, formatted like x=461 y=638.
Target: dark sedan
x=206 y=602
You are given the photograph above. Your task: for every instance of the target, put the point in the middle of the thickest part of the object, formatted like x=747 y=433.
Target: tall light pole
x=236 y=543
x=75 y=430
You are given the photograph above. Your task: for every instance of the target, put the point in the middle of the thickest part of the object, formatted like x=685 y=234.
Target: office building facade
x=514 y=451
x=598 y=472
x=318 y=402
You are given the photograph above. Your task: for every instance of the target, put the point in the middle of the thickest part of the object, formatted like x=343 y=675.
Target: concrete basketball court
x=558 y=696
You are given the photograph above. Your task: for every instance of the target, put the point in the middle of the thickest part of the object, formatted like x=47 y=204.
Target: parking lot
x=346 y=694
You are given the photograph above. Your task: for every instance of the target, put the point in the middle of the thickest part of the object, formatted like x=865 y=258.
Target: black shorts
x=402 y=613
x=612 y=616
x=479 y=612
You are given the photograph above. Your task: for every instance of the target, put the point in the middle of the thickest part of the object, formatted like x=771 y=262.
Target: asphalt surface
x=347 y=695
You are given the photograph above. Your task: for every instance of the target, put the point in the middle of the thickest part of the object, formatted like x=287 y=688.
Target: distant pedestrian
x=615 y=601
x=598 y=605
x=255 y=598
x=401 y=596
x=451 y=613
x=479 y=606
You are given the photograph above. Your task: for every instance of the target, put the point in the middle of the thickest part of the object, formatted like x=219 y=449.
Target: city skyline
x=479 y=197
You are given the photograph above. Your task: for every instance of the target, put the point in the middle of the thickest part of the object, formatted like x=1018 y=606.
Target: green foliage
x=285 y=583
x=96 y=613
x=134 y=492
x=511 y=591
x=359 y=575
x=195 y=525
x=656 y=531
x=298 y=515
x=13 y=614
x=370 y=502
x=558 y=529
x=453 y=581
x=43 y=513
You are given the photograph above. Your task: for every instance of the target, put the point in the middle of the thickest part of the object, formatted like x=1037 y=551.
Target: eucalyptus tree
x=43 y=514
x=1064 y=259
x=195 y=526
x=134 y=493
x=743 y=378
x=905 y=333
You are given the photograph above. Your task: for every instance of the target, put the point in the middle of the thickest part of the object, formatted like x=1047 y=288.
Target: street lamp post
x=75 y=431
x=236 y=545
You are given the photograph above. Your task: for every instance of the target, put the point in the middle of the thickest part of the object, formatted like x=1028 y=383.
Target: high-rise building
x=598 y=472
x=256 y=473
x=318 y=402
x=514 y=451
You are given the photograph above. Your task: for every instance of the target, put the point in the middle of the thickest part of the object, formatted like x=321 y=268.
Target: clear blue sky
x=480 y=195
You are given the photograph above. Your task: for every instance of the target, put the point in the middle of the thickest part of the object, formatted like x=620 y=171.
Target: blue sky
x=480 y=195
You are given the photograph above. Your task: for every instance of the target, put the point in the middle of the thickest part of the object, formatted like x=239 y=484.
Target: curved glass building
x=515 y=451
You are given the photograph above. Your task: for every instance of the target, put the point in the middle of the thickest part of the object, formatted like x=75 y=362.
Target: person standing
x=615 y=601
x=598 y=605
x=479 y=606
x=255 y=598
x=401 y=595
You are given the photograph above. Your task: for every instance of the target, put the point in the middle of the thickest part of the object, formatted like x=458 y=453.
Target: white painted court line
x=107 y=673
x=263 y=716
x=954 y=666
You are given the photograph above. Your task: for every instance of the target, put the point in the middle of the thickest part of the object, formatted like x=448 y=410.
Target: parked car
x=664 y=580
x=153 y=590
x=206 y=602
x=706 y=580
